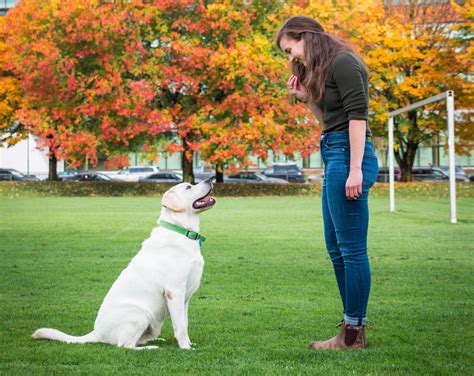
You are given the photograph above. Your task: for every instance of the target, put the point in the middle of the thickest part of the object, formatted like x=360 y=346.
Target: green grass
x=267 y=289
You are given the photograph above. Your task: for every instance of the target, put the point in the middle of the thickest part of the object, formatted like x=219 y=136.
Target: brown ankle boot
x=347 y=339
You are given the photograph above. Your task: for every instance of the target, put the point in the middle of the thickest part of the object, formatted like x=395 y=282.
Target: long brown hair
x=320 y=48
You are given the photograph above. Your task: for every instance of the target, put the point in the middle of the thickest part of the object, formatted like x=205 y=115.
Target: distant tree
x=250 y=113
x=222 y=83
x=111 y=77
x=11 y=130
x=80 y=65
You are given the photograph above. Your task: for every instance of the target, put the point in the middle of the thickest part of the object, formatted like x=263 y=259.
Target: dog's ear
x=172 y=202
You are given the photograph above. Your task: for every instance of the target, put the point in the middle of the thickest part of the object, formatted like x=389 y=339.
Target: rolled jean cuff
x=355 y=321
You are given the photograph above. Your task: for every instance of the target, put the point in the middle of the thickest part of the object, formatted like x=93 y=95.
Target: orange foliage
x=112 y=77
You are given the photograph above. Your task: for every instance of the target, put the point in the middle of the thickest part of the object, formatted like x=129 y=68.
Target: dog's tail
x=56 y=335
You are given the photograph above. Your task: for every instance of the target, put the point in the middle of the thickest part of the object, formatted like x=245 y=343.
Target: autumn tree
x=222 y=84
x=177 y=69
x=11 y=130
x=417 y=56
x=81 y=66
x=110 y=77
x=249 y=113
x=412 y=53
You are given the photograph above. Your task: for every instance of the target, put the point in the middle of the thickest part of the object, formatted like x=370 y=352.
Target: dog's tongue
x=204 y=202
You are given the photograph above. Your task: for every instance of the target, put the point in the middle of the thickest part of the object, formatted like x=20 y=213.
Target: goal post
x=449 y=97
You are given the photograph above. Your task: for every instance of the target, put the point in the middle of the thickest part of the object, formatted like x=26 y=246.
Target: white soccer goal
x=449 y=97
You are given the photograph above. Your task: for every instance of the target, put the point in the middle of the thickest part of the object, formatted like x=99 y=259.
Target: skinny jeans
x=346 y=223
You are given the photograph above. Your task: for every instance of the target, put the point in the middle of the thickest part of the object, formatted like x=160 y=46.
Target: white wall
x=26 y=158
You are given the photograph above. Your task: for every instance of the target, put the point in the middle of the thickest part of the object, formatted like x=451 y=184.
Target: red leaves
x=71 y=83
x=117 y=161
x=106 y=77
x=77 y=62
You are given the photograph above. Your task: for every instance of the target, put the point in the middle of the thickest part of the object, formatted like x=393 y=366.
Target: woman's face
x=293 y=48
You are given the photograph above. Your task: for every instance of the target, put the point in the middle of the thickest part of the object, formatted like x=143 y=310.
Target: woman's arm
x=299 y=91
x=316 y=110
x=357 y=129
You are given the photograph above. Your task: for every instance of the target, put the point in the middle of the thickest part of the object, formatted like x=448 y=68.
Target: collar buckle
x=192 y=235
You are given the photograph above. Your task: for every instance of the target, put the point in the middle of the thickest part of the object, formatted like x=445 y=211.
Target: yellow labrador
x=159 y=281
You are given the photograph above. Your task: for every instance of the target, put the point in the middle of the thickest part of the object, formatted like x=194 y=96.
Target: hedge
x=46 y=188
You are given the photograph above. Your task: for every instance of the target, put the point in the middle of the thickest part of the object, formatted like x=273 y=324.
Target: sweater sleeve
x=349 y=79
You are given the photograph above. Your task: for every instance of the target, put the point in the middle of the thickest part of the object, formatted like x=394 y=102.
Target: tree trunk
x=405 y=160
x=53 y=167
x=306 y=162
x=406 y=157
x=435 y=150
x=219 y=174
x=187 y=163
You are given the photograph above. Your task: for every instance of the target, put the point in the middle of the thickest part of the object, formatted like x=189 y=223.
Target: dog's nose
x=211 y=180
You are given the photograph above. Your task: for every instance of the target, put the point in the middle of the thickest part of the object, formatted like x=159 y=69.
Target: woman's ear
x=172 y=202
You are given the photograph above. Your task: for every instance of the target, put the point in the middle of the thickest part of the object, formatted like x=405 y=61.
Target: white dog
x=159 y=280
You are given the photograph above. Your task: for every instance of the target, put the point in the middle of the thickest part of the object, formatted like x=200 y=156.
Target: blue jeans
x=346 y=222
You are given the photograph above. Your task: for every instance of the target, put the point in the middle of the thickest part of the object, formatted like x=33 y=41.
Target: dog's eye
x=189 y=187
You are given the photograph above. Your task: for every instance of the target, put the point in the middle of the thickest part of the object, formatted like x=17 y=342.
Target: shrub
x=46 y=188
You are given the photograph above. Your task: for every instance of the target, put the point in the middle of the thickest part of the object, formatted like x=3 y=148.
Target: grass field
x=267 y=290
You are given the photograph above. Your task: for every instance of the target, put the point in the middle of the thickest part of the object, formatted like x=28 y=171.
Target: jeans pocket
x=337 y=145
x=370 y=170
x=370 y=155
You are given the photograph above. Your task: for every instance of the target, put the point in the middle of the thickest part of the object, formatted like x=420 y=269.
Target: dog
x=158 y=282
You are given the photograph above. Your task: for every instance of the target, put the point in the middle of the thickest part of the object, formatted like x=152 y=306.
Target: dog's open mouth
x=204 y=202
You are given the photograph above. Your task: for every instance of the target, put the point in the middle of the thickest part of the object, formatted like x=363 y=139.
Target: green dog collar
x=189 y=234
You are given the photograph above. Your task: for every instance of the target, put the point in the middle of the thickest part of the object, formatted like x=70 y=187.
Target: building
x=27 y=158
x=6 y=5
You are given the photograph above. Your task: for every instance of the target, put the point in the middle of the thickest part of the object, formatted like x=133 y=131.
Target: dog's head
x=186 y=197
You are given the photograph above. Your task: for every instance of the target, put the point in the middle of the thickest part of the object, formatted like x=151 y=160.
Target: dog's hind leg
x=130 y=334
x=151 y=333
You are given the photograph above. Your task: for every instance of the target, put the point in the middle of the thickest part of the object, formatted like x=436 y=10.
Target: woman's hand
x=297 y=89
x=354 y=184
x=357 y=130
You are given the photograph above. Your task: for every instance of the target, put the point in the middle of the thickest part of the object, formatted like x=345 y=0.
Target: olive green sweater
x=346 y=95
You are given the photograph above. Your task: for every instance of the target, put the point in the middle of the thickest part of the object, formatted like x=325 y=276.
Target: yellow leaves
x=409 y=57
x=225 y=17
x=215 y=11
x=409 y=86
x=10 y=100
x=466 y=10
x=249 y=59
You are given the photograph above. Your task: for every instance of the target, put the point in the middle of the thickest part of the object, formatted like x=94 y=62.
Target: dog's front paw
x=184 y=345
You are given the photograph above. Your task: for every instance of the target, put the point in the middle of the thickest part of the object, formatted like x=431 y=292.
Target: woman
x=332 y=81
